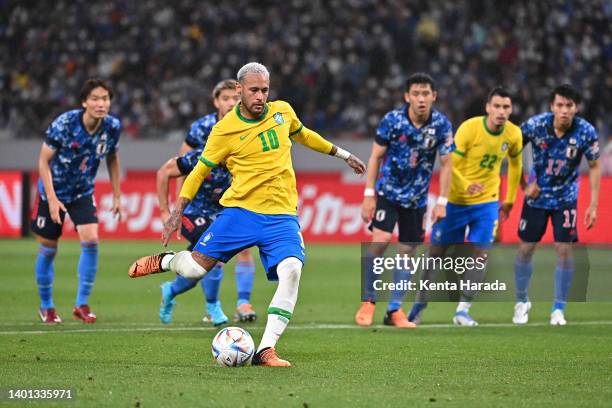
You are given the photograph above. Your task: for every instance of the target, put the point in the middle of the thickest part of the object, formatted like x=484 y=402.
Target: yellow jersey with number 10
x=478 y=158
x=257 y=152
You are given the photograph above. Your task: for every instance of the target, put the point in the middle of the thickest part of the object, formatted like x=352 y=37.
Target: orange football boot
x=268 y=357
x=147 y=265
x=398 y=319
x=365 y=314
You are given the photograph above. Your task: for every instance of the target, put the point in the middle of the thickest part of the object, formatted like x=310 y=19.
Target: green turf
x=129 y=359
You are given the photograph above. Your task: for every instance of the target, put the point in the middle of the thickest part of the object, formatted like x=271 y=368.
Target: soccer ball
x=233 y=347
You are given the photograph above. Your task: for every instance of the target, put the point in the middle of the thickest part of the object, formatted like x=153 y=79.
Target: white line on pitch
x=330 y=326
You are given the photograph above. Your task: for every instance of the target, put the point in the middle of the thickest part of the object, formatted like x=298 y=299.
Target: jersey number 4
x=488 y=161
x=272 y=138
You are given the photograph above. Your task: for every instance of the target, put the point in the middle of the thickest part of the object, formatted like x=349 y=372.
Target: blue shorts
x=480 y=218
x=277 y=237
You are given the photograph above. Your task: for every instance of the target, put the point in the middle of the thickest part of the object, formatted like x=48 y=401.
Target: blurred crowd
x=341 y=63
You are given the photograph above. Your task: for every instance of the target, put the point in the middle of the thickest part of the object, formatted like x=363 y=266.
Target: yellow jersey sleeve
x=313 y=140
x=309 y=138
x=462 y=139
x=194 y=180
x=217 y=148
x=295 y=125
x=214 y=152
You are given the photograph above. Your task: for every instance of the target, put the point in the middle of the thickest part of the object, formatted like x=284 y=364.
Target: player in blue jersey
x=558 y=140
x=225 y=97
x=75 y=143
x=399 y=173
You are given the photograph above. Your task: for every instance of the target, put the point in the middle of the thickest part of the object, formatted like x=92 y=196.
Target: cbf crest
x=504 y=146
x=207 y=238
x=278 y=117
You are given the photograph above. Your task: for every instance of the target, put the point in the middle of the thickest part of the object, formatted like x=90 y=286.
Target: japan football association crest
x=101 y=149
x=571 y=152
x=278 y=117
x=101 y=146
x=429 y=141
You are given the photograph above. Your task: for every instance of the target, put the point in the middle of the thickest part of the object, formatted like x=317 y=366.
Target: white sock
x=165 y=262
x=283 y=302
x=464 y=306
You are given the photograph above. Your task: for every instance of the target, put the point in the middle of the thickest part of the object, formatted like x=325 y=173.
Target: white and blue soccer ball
x=233 y=347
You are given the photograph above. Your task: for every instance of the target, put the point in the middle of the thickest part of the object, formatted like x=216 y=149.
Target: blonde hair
x=252 y=68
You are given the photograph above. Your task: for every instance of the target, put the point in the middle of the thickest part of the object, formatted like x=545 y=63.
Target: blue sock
x=523 y=268
x=181 y=284
x=397 y=297
x=44 y=275
x=564 y=273
x=211 y=284
x=245 y=275
x=369 y=294
x=415 y=310
x=88 y=266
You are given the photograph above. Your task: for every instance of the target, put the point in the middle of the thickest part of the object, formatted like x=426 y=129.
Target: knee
x=525 y=252
x=289 y=269
x=88 y=234
x=49 y=243
x=244 y=256
x=184 y=264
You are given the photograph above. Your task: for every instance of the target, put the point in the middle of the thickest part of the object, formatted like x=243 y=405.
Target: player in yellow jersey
x=482 y=143
x=254 y=140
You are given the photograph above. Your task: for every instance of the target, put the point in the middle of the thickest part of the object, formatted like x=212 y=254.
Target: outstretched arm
x=316 y=142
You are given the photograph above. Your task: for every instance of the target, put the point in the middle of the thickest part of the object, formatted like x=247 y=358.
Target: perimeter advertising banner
x=11 y=203
x=329 y=209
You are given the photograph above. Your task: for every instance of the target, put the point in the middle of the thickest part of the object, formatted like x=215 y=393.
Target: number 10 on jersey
x=272 y=138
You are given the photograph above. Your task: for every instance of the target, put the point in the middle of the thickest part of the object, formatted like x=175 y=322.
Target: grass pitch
x=128 y=358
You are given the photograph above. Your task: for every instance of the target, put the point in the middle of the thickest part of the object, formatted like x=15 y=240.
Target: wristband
x=369 y=192
x=442 y=201
x=341 y=153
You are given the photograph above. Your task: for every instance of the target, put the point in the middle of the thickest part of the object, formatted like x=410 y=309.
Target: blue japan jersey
x=206 y=201
x=406 y=170
x=199 y=131
x=78 y=154
x=556 y=160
